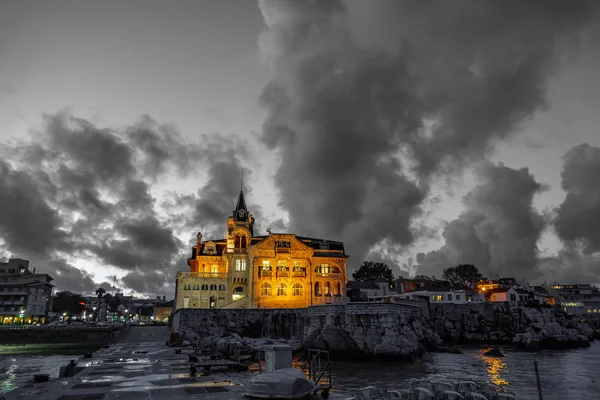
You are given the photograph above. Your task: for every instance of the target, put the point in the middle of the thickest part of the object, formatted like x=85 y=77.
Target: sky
x=422 y=134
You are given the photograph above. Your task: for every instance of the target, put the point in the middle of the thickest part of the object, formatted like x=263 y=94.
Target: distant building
x=502 y=294
x=360 y=290
x=243 y=270
x=24 y=295
x=163 y=311
x=578 y=298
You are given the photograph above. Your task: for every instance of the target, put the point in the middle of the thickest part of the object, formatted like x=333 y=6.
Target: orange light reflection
x=494 y=367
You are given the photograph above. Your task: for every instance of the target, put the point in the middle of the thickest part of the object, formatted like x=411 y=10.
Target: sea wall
x=355 y=330
x=44 y=334
x=499 y=323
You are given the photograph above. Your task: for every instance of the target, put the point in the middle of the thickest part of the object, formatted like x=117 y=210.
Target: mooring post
x=537 y=378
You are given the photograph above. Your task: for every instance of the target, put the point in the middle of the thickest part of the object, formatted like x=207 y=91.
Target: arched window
x=334 y=270
x=238 y=293
x=327 y=289
x=322 y=269
x=196 y=287
x=297 y=289
x=213 y=287
x=265 y=289
x=317 y=289
x=186 y=287
x=338 y=289
x=221 y=287
x=204 y=287
x=281 y=289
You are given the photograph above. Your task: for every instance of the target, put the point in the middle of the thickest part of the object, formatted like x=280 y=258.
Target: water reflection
x=9 y=380
x=494 y=366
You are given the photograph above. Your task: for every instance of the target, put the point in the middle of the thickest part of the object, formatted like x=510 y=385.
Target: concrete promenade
x=140 y=367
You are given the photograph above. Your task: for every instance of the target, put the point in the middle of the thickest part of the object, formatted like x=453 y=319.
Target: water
x=18 y=364
x=568 y=375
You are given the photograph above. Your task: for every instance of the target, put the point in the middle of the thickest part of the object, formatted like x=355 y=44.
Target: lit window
x=238 y=293
x=214 y=270
x=437 y=297
x=297 y=265
x=281 y=289
x=266 y=265
x=265 y=289
x=297 y=289
x=322 y=269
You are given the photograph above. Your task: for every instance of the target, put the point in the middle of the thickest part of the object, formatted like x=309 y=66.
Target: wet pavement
x=141 y=366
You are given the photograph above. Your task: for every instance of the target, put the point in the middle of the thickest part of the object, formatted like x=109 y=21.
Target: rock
x=493 y=352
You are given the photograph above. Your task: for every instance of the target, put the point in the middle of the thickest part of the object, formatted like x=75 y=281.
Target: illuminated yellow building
x=280 y=270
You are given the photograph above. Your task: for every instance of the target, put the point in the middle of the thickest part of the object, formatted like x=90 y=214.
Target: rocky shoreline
x=529 y=329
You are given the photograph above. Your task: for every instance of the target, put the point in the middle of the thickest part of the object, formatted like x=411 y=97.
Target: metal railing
x=318 y=368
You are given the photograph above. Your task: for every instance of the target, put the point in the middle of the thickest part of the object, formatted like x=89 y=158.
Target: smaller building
x=24 y=295
x=366 y=290
x=502 y=294
x=445 y=295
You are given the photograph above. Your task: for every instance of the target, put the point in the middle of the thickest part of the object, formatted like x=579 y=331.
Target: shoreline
x=43 y=349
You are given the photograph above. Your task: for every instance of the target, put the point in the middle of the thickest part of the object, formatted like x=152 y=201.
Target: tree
x=100 y=293
x=373 y=271
x=464 y=274
x=67 y=302
x=112 y=302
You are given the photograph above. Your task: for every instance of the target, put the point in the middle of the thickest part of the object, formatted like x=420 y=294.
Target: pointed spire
x=241 y=212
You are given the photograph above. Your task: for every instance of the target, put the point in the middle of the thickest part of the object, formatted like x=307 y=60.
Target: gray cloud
x=577 y=217
x=575 y=220
x=77 y=190
x=366 y=94
x=498 y=230
x=27 y=223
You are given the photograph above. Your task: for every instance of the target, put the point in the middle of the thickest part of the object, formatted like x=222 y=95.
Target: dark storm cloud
x=577 y=217
x=498 y=230
x=77 y=190
x=359 y=85
x=66 y=276
x=161 y=146
x=27 y=223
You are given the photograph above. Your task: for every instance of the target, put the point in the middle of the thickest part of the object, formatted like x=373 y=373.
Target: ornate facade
x=280 y=270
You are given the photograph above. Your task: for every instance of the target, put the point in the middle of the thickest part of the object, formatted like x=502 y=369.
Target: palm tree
x=100 y=293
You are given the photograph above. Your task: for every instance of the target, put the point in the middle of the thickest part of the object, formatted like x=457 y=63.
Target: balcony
x=283 y=274
x=221 y=275
x=282 y=249
x=266 y=274
x=334 y=275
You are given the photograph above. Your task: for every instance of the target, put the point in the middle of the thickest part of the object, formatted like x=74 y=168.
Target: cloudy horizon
x=126 y=128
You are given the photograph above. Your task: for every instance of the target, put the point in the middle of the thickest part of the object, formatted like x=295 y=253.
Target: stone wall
x=351 y=329
x=44 y=335
x=293 y=322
